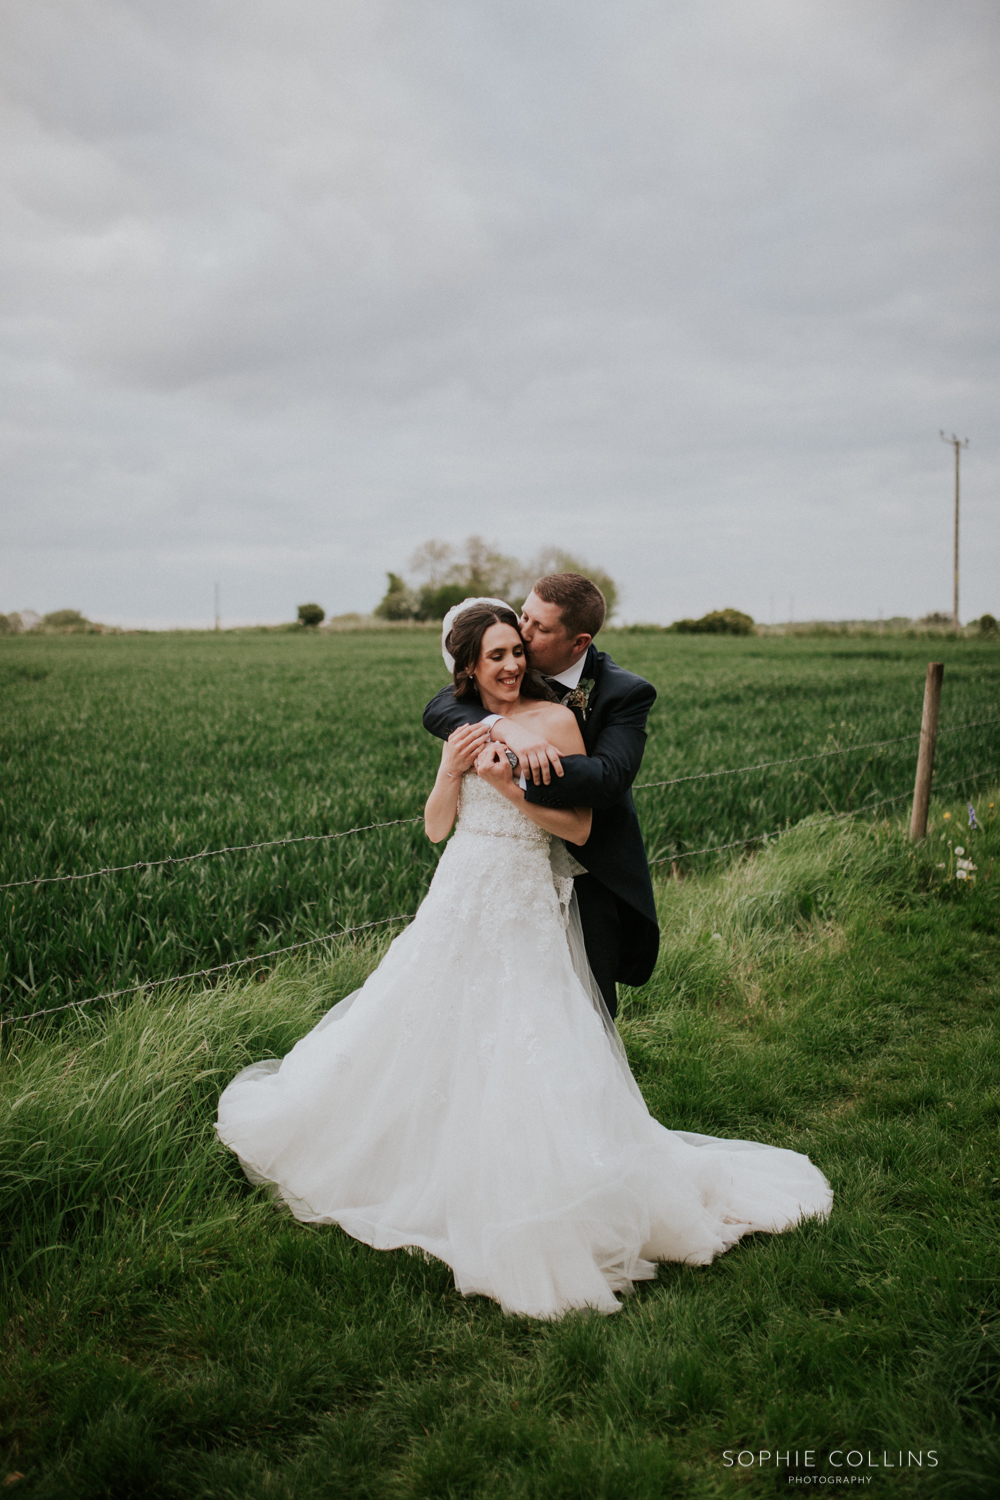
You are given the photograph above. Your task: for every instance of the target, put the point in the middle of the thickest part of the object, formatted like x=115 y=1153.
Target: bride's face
x=501 y=665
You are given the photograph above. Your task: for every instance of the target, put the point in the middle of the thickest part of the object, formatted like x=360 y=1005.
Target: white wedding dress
x=473 y=1100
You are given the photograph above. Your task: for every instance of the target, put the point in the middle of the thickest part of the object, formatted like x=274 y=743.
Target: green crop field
x=166 y=1332
x=118 y=749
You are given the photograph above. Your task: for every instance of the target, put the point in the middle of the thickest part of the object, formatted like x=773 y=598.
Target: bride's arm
x=569 y=823
x=458 y=754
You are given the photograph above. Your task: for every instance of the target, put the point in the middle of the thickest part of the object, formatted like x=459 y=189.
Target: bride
x=473 y=1099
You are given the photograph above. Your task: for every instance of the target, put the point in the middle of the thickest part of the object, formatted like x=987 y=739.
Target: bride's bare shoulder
x=558 y=724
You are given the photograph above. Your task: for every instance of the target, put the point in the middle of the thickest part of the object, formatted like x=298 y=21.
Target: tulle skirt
x=473 y=1100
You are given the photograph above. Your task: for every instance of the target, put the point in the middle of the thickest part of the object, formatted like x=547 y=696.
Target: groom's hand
x=538 y=759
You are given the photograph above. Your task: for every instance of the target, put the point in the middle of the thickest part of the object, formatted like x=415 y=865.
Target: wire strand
x=855 y=812
x=155 y=984
x=183 y=859
x=318 y=838
x=794 y=760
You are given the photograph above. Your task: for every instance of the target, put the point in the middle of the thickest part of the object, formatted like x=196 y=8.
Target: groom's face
x=552 y=650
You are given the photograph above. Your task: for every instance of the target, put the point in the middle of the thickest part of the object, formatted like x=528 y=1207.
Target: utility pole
x=958 y=444
x=218 y=620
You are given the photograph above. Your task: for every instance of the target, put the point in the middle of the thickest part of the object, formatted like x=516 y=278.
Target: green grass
x=118 y=749
x=169 y=1333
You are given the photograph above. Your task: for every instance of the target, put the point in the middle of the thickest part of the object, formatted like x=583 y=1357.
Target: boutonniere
x=579 y=697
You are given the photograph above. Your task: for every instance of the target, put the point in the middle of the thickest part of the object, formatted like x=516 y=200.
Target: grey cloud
x=688 y=288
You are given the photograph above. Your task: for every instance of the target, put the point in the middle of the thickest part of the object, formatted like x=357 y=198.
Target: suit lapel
x=591 y=670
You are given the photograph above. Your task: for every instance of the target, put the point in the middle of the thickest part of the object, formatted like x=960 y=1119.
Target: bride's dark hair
x=465 y=643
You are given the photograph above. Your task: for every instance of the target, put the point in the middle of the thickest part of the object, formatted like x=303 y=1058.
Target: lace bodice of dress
x=484 y=810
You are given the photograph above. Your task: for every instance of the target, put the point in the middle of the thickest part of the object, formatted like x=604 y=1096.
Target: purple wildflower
x=972 y=816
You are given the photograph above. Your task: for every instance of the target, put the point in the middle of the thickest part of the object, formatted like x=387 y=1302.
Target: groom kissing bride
x=473 y=1099
x=559 y=620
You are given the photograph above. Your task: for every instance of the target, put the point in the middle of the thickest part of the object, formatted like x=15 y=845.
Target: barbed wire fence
x=236 y=963
x=185 y=859
x=867 y=807
x=747 y=842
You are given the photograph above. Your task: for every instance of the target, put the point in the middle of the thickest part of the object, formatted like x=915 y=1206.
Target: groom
x=559 y=620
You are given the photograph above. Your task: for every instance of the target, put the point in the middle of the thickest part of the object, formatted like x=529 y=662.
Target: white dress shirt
x=571 y=677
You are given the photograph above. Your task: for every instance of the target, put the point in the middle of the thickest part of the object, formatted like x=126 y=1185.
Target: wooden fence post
x=928 y=744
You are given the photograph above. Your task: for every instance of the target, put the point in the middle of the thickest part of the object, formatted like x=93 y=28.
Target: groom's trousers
x=602 y=934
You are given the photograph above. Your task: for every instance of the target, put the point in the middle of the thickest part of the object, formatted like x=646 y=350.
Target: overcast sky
x=687 y=288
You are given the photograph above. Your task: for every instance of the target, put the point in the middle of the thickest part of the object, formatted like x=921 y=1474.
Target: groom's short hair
x=581 y=603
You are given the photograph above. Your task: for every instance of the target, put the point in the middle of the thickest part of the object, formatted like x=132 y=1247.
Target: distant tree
x=311 y=615
x=717 y=622
x=987 y=625
x=7 y=626
x=432 y=561
x=434 y=603
x=938 y=617
x=486 y=571
x=445 y=577
x=25 y=619
x=554 y=560
x=63 y=617
x=399 y=602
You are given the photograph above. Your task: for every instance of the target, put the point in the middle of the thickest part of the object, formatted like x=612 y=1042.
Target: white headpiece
x=453 y=615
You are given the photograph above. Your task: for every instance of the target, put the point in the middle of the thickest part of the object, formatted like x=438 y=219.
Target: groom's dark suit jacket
x=614 y=734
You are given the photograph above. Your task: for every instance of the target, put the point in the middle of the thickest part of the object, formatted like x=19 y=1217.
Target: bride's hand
x=460 y=749
x=493 y=766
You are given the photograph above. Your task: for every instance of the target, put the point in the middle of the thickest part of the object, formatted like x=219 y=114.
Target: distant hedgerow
x=718 y=622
